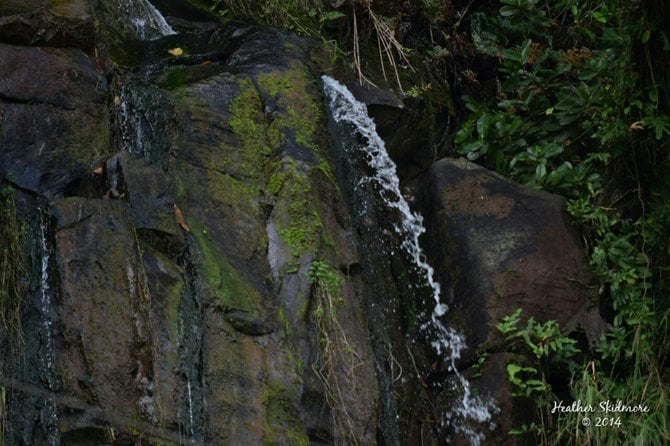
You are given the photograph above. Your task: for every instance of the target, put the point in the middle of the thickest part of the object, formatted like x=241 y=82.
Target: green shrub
x=579 y=111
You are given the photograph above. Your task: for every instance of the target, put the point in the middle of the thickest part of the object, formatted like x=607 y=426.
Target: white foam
x=148 y=21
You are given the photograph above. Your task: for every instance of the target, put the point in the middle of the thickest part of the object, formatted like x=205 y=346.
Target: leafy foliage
x=547 y=347
x=307 y=17
x=579 y=111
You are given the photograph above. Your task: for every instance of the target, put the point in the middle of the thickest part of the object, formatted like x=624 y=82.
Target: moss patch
x=227 y=284
x=300 y=116
x=249 y=124
x=298 y=223
x=300 y=112
x=281 y=417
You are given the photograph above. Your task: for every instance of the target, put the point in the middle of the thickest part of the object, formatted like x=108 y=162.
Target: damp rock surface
x=204 y=262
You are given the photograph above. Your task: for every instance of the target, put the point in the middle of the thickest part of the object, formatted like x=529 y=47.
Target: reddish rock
x=498 y=246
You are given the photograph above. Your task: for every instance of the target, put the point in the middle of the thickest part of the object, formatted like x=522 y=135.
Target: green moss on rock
x=300 y=111
x=250 y=126
x=227 y=284
x=282 y=420
x=298 y=222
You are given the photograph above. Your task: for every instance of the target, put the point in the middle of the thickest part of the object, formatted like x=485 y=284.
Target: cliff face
x=196 y=262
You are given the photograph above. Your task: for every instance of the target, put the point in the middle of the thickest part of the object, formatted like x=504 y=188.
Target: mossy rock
x=237 y=298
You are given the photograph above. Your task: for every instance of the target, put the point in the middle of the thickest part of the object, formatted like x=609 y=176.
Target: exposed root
x=337 y=359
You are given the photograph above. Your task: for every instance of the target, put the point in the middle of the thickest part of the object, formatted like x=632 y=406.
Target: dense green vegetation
x=581 y=109
x=570 y=96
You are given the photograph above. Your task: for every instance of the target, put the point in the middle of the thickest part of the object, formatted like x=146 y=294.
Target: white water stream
x=48 y=357
x=149 y=23
x=190 y=408
x=348 y=110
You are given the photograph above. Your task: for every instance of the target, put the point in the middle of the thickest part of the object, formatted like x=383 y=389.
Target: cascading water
x=191 y=424
x=48 y=356
x=144 y=117
x=148 y=22
x=448 y=343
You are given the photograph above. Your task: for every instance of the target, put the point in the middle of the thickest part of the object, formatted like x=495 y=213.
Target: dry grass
x=391 y=52
x=12 y=266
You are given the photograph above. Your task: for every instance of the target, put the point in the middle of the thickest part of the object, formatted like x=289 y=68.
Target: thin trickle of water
x=148 y=22
x=48 y=356
x=190 y=340
x=446 y=341
x=131 y=125
x=190 y=408
x=130 y=274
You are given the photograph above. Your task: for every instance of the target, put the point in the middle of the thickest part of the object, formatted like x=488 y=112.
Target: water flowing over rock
x=447 y=342
x=208 y=257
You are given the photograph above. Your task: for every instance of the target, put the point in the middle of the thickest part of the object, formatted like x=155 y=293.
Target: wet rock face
x=53 y=118
x=184 y=201
x=47 y=23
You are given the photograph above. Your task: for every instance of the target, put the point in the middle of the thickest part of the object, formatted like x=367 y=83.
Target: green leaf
x=483 y=125
x=471 y=147
x=509 y=11
x=599 y=16
x=331 y=15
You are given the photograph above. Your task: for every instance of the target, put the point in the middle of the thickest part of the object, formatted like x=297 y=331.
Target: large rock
x=68 y=23
x=52 y=119
x=498 y=246
x=501 y=246
x=255 y=186
x=189 y=205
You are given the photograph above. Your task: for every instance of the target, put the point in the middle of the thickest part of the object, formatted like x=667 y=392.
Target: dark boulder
x=498 y=246
x=52 y=119
x=67 y=23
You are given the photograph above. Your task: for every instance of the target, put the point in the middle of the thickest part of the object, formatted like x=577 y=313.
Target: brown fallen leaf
x=180 y=219
x=176 y=51
x=98 y=171
x=117 y=100
x=637 y=125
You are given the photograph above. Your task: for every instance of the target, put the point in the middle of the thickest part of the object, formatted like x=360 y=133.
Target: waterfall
x=48 y=356
x=447 y=343
x=148 y=22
